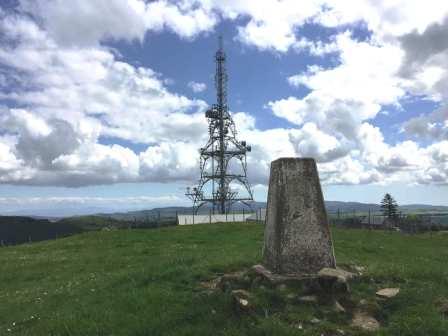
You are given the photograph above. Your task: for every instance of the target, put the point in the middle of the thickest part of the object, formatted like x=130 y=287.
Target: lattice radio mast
x=223 y=158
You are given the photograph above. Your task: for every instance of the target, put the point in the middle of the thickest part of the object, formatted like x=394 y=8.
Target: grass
x=146 y=282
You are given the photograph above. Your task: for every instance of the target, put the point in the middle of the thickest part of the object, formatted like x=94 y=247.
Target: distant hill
x=167 y=212
x=21 y=229
x=423 y=208
x=17 y=230
x=331 y=206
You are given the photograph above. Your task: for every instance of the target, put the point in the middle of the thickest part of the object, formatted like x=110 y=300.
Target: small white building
x=214 y=218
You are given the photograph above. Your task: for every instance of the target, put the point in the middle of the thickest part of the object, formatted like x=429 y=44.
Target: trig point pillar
x=297 y=237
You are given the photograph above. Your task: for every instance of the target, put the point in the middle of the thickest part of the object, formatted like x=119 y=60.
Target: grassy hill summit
x=148 y=282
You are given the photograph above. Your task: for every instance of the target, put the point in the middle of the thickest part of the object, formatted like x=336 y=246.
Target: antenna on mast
x=220 y=43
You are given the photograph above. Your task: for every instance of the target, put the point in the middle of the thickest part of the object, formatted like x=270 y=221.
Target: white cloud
x=266 y=24
x=78 y=98
x=185 y=18
x=78 y=95
x=271 y=23
x=9 y=161
x=96 y=164
x=433 y=126
x=310 y=141
x=243 y=121
x=89 y=85
x=315 y=48
x=267 y=145
x=333 y=119
x=79 y=205
x=197 y=87
x=348 y=170
x=426 y=64
x=88 y=200
x=331 y=115
x=291 y=109
x=117 y=19
x=366 y=74
x=170 y=161
x=436 y=171
x=385 y=18
x=342 y=97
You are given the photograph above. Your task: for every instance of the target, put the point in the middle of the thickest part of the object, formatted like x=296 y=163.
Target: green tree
x=389 y=206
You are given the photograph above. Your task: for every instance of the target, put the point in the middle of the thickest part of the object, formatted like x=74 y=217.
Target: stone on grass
x=282 y=287
x=233 y=281
x=442 y=305
x=334 y=281
x=315 y=320
x=297 y=237
x=336 y=273
x=364 y=321
x=298 y=326
x=210 y=284
x=241 y=300
x=308 y=299
x=291 y=297
x=338 y=308
x=387 y=293
x=359 y=269
x=274 y=279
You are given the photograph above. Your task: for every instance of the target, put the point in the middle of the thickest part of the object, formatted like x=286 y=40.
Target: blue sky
x=101 y=105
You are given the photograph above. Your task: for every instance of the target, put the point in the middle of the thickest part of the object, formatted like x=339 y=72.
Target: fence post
x=210 y=216
x=369 y=217
x=339 y=214
x=226 y=215
x=233 y=212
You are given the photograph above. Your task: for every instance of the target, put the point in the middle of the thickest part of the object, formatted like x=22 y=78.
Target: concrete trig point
x=297 y=237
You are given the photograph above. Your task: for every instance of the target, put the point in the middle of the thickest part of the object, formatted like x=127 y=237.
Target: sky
x=102 y=102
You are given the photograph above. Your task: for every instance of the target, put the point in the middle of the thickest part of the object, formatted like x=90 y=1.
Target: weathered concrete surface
x=297 y=237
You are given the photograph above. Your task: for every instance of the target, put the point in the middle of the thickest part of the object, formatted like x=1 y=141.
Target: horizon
x=102 y=106
x=73 y=211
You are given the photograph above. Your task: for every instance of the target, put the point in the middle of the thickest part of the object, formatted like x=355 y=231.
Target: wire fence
x=408 y=222
x=370 y=219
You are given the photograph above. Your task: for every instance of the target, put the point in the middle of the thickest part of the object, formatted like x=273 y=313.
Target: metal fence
x=370 y=219
x=411 y=222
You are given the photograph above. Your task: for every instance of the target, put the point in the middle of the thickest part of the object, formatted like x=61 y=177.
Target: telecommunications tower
x=223 y=159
